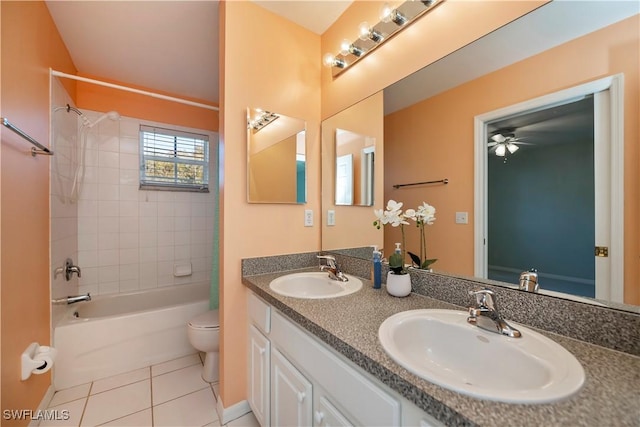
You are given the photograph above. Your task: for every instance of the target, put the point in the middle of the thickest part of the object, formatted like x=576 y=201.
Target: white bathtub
x=111 y=335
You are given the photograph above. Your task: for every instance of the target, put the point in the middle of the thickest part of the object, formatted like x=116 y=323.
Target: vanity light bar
x=262 y=120
x=392 y=21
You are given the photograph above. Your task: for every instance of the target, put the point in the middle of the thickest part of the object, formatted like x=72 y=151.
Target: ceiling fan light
x=501 y=150
x=512 y=147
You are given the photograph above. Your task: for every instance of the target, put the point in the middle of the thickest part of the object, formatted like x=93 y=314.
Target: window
x=173 y=160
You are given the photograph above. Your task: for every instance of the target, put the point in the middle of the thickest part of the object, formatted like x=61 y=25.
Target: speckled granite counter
x=609 y=397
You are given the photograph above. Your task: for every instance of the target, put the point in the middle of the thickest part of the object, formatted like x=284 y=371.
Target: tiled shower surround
x=130 y=239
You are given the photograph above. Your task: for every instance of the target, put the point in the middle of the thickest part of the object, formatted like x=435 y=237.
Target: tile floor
x=168 y=394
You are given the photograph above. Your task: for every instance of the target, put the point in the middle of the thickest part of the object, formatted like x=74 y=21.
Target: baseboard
x=232 y=412
x=44 y=404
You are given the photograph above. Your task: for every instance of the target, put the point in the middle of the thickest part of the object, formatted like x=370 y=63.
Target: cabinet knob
x=319 y=417
x=262 y=351
x=301 y=396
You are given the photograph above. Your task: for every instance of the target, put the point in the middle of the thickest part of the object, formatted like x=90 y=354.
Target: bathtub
x=113 y=334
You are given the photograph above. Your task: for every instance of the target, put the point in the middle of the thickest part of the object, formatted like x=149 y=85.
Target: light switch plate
x=331 y=217
x=308 y=218
x=462 y=218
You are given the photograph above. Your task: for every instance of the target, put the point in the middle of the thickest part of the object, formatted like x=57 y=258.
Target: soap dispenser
x=377 y=268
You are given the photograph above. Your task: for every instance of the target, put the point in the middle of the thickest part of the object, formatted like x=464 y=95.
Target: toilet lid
x=207 y=320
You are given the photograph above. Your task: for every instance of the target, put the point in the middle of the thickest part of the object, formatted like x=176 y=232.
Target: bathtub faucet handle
x=68 y=269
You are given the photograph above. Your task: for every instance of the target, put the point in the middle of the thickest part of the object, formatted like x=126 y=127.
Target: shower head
x=111 y=115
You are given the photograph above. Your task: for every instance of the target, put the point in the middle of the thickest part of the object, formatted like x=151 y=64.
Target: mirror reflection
x=276 y=160
x=355 y=155
x=441 y=103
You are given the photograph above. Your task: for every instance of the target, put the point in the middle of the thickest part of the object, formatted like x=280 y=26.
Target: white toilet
x=204 y=335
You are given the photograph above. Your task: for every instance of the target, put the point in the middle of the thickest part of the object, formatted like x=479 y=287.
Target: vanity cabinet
x=292 y=393
x=259 y=379
x=308 y=383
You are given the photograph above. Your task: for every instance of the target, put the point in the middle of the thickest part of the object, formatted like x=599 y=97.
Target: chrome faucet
x=486 y=316
x=72 y=300
x=68 y=269
x=529 y=280
x=331 y=267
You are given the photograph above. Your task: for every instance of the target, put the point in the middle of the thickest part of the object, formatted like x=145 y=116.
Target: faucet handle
x=485 y=298
x=329 y=259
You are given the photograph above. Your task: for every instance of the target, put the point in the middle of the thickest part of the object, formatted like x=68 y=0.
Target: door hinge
x=602 y=251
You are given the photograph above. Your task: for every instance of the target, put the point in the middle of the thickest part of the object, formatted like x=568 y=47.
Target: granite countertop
x=349 y=324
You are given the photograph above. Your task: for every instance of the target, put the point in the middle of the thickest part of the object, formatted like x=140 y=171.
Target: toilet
x=204 y=335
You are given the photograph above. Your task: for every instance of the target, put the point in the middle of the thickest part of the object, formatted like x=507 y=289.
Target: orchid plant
x=393 y=215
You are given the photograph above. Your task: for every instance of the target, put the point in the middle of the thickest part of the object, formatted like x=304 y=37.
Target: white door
x=344 y=180
x=291 y=402
x=259 y=364
x=609 y=178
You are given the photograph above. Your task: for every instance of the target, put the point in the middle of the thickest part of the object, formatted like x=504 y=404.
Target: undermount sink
x=443 y=348
x=314 y=285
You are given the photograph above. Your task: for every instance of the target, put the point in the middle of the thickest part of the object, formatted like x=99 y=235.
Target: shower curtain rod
x=130 y=89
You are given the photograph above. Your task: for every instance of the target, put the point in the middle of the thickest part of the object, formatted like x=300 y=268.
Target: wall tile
x=129 y=238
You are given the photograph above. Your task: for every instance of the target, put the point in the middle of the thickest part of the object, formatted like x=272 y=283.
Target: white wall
x=130 y=239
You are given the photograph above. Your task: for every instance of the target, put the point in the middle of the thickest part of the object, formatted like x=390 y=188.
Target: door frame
x=615 y=85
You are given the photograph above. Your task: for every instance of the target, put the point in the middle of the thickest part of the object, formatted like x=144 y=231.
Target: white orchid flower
x=411 y=214
x=426 y=213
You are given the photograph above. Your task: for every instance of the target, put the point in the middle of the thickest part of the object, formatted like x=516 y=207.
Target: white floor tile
x=175 y=364
x=117 y=403
x=73 y=409
x=195 y=409
x=178 y=383
x=139 y=419
x=247 y=420
x=70 y=394
x=119 y=380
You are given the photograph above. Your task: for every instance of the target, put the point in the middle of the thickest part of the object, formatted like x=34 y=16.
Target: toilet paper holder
x=37 y=359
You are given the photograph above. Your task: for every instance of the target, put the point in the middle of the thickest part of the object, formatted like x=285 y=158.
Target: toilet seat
x=207 y=320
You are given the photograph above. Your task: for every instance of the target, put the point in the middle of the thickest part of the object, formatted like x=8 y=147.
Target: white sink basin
x=441 y=347
x=314 y=285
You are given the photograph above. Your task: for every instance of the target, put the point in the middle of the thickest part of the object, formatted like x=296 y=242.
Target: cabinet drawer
x=259 y=312
x=367 y=403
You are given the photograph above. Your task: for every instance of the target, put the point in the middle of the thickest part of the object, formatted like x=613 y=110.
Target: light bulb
x=329 y=60
x=386 y=12
x=512 y=147
x=501 y=150
x=364 y=30
x=345 y=47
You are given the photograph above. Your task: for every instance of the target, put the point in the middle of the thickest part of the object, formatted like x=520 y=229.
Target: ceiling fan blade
x=498 y=138
x=491 y=144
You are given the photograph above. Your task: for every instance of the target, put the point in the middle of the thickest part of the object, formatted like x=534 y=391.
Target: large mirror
x=276 y=162
x=587 y=42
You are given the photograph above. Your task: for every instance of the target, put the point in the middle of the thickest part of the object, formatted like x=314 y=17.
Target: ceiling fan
x=503 y=142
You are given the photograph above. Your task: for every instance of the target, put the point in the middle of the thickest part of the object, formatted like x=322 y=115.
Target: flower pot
x=398 y=285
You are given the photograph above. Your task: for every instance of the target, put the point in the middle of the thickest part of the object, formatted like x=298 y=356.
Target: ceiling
x=169 y=46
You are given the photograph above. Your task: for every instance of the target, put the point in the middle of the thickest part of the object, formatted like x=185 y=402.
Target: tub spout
x=72 y=299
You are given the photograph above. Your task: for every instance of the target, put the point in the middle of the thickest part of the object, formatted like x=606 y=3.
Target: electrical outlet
x=462 y=217
x=331 y=217
x=308 y=218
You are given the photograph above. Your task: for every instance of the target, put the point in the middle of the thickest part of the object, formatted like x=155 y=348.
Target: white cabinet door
x=259 y=365
x=291 y=401
x=326 y=414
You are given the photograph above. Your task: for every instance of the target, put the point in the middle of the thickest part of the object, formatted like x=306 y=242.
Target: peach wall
x=272 y=172
x=351 y=230
x=100 y=98
x=269 y=62
x=448 y=27
x=30 y=45
x=434 y=139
